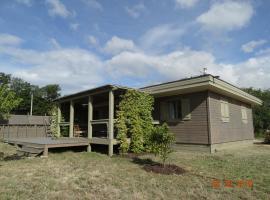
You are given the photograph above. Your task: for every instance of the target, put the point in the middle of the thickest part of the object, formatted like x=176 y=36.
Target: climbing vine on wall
x=53 y=121
x=134 y=121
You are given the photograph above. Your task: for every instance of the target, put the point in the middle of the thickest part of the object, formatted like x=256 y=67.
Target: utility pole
x=31 y=108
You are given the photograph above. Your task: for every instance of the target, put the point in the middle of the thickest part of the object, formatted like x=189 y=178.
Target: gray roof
x=91 y=91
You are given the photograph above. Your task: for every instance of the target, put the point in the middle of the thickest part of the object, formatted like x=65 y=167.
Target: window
x=175 y=109
x=225 y=113
x=244 y=114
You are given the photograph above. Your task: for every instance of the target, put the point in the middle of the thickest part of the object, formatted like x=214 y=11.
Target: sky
x=80 y=44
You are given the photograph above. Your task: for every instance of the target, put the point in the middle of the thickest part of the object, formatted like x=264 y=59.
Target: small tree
x=134 y=120
x=8 y=101
x=161 y=142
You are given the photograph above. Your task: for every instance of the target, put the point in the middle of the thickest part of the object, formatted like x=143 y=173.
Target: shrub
x=267 y=137
x=134 y=120
x=161 y=141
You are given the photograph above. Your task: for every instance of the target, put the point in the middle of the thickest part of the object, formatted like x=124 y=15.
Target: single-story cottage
x=205 y=113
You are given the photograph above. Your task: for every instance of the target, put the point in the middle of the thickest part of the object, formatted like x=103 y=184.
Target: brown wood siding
x=235 y=129
x=195 y=130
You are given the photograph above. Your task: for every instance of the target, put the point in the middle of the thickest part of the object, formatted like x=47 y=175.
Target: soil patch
x=167 y=169
x=152 y=166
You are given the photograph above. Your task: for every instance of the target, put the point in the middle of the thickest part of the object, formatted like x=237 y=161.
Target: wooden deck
x=43 y=144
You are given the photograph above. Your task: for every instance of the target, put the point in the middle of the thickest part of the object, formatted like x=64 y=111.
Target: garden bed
x=164 y=169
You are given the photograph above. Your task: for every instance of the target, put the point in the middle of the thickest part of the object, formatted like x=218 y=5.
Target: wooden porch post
x=71 y=119
x=111 y=122
x=59 y=119
x=45 y=151
x=90 y=118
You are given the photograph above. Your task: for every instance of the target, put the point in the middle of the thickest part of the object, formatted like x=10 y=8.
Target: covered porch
x=90 y=114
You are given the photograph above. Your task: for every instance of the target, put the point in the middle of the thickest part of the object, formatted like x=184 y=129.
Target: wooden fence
x=22 y=131
x=22 y=126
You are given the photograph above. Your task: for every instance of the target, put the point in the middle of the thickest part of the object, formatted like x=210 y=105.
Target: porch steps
x=30 y=151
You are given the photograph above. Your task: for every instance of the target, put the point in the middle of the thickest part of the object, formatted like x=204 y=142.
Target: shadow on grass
x=103 y=149
x=261 y=142
x=144 y=161
x=10 y=157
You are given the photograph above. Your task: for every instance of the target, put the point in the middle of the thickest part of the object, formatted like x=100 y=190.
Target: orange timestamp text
x=216 y=184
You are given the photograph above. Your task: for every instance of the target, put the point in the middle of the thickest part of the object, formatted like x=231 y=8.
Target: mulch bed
x=167 y=169
x=151 y=166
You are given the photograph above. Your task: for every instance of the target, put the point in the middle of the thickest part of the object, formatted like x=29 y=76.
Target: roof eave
x=202 y=84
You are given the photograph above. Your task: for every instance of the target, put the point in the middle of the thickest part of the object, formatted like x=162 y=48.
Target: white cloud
x=226 y=16
x=7 y=39
x=257 y=71
x=116 y=45
x=175 y=65
x=187 y=63
x=186 y=3
x=25 y=2
x=130 y=64
x=93 y=4
x=58 y=9
x=136 y=10
x=160 y=36
x=263 y=52
x=54 y=43
x=250 y=46
x=74 y=26
x=92 y=40
x=72 y=67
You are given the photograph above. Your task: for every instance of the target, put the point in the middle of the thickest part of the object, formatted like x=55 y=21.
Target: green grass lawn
x=82 y=175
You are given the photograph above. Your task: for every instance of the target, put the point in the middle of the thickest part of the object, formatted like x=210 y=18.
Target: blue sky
x=81 y=44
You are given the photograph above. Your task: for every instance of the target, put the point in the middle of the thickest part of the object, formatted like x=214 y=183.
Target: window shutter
x=185 y=107
x=244 y=114
x=225 y=113
x=164 y=111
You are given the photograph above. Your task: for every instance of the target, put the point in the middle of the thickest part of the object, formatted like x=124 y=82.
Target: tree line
x=261 y=114
x=16 y=93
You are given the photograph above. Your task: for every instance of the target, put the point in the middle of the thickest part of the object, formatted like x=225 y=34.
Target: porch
x=90 y=115
x=40 y=145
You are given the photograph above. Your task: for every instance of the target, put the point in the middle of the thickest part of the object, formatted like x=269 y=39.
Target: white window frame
x=225 y=110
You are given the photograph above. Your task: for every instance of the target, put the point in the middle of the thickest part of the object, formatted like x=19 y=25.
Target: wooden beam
x=90 y=118
x=111 y=122
x=71 y=119
x=74 y=98
x=59 y=116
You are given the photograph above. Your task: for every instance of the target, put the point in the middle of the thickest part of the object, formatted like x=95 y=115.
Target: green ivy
x=134 y=121
x=54 y=121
